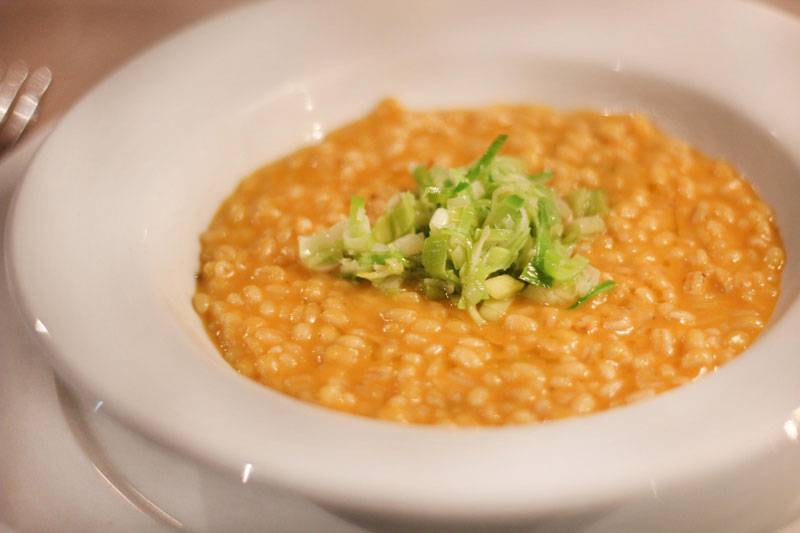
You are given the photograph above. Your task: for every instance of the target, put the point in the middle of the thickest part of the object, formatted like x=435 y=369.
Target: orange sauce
x=695 y=253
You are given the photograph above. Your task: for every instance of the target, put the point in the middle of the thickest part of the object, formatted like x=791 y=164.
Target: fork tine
x=25 y=108
x=10 y=85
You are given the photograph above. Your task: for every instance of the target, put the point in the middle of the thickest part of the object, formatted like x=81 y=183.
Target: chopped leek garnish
x=503 y=286
x=482 y=233
x=599 y=288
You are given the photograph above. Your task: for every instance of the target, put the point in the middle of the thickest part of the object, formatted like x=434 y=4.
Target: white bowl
x=103 y=249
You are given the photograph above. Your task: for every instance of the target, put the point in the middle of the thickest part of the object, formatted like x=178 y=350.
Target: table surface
x=83 y=40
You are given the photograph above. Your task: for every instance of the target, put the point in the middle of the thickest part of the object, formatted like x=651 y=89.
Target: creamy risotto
x=695 y=255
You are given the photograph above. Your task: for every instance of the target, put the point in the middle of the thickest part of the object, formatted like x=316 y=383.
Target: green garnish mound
x=482 y=233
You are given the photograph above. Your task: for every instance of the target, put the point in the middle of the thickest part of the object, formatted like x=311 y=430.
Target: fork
x=20 y=95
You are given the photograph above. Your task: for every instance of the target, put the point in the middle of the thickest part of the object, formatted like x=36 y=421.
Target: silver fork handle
x=25 y=108
x=10 y=85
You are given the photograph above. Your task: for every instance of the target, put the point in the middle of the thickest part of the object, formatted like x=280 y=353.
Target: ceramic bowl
x=103 y=249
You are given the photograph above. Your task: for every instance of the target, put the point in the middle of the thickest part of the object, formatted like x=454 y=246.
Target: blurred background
x=83 y=40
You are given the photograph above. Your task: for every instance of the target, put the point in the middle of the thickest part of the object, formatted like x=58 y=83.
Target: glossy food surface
x=695 y=253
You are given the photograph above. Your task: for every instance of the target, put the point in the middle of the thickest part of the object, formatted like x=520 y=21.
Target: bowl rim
x=322 y=475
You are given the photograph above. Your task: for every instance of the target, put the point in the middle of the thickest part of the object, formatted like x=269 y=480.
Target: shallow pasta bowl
x=103 y=249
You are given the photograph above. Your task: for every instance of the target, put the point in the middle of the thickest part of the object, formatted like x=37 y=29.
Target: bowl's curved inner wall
x=267 y=122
